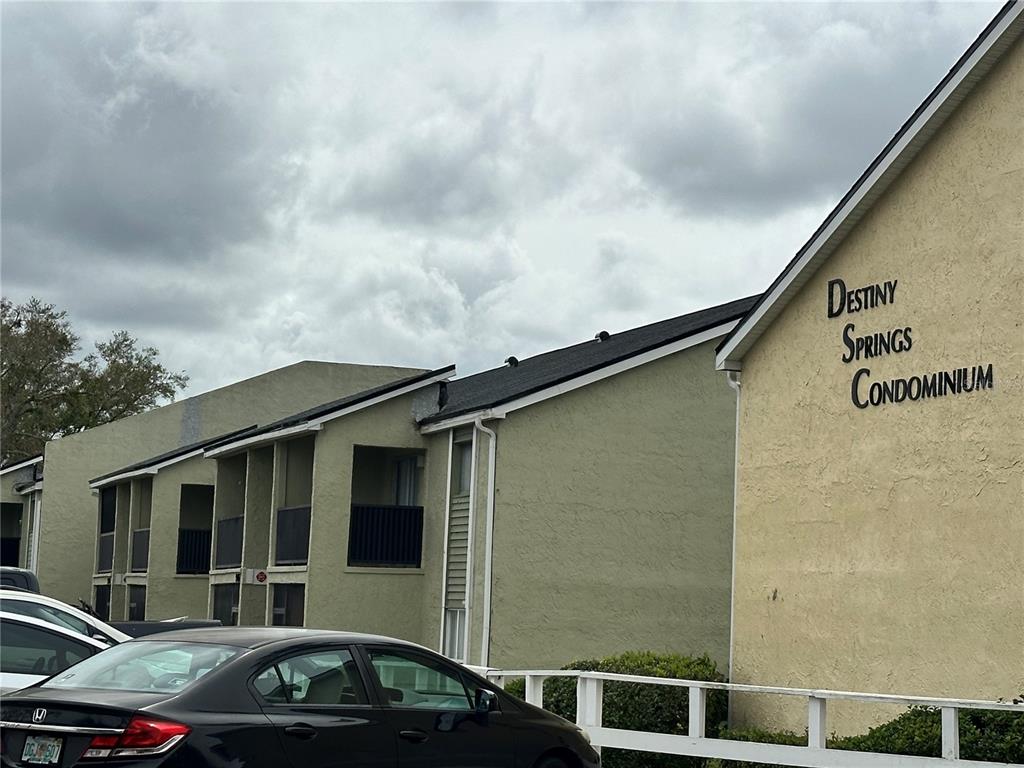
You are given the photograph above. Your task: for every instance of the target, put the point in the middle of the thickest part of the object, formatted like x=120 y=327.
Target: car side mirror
x=395 y=695
x=486 y=701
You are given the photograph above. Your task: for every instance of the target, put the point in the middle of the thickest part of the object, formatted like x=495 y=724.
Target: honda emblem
x=39 y=715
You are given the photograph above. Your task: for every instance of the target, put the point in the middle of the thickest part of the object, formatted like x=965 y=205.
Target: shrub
x=988 y=735
x=631 y=706
x=985 y=735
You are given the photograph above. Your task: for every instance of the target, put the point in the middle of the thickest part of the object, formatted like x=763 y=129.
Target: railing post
x=697 y=706
x=589 y=703
x=950 y=733
x=816 y=725
x=535 y=690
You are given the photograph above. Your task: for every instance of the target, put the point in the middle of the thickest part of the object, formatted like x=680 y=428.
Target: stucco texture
x=384 y=601
x=68 y=528
x=167 y=594
x=613 y=521
x=883 y=549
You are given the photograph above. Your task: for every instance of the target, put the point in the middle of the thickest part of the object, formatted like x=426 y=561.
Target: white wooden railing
x=589 y=698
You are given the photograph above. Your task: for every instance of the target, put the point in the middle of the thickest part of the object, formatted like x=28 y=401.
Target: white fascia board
x=31 y=489
x=150 y=470
x=501 y=411
x=315 y=425
x=21 y=465
x=266 y=437
x=725 y=360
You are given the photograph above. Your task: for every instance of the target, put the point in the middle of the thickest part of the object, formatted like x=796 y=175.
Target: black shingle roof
x=335 y=405
x=173 y=454
x=501 y=385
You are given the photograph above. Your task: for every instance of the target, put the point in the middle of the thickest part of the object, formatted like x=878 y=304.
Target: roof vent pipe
x=602 y=336
x=512 y=361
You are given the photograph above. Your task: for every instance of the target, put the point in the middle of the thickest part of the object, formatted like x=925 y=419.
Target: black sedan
x=272 y=697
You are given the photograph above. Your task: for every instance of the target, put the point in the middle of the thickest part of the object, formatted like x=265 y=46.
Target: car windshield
x=146 y=665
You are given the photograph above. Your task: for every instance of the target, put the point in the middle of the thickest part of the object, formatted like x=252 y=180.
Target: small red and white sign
x=261 y=576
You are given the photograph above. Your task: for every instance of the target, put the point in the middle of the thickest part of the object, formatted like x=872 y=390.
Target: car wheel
x=551 y=762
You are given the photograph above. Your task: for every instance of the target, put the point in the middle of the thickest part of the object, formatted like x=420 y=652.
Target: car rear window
x=146 y=665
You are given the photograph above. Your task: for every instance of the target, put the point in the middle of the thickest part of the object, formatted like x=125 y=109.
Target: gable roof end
x=561 y=370
x=311 y=419
x=970 y=68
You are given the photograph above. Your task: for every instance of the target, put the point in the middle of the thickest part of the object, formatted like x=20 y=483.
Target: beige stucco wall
x=613 y=522
x=385 y=601
x=68 y=530
x=883 y=549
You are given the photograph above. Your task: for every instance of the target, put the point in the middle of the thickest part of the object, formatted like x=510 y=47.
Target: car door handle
x=415 y=735
x=301 y=731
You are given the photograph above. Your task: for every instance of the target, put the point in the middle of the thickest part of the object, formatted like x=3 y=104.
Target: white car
x=33 y=649
x=61 y=614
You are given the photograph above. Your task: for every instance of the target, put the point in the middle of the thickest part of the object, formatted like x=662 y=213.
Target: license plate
x=41 y=750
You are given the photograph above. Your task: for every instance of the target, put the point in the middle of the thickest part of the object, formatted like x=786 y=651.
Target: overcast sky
x=244 y=186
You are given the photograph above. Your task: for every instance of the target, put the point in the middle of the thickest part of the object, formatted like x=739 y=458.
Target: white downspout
x=733 y=377
x=444 y=549
x=492 y=451
x=471 y=535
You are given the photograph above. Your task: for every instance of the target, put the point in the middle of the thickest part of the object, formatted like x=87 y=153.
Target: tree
x=46 y=393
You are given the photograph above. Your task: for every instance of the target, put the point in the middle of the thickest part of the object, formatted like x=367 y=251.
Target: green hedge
x=640 y=707
x=985 y=735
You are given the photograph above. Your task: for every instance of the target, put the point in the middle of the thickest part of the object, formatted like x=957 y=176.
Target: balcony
x=140 y=551
x=229 y=542
x=105 y=554
x=385 y=536
x=292 y=543
x=194 y=550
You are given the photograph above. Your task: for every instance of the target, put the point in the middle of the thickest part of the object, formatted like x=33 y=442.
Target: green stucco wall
x=68 y=529
x=167 y=594
x=613 y=523
x=385 y=601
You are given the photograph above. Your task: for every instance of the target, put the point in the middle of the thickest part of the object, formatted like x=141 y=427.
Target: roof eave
x=500 y=409
x=989 y=47
x=316 y=424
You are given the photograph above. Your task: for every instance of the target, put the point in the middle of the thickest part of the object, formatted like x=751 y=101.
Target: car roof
x=256 y=637
x=19 y=618
x=35 y=597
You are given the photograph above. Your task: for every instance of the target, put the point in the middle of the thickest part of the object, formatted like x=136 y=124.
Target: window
x=405 y=481
x=46 y=613
x=462 y=466
x=31 y=650
x=455 y=634
x=225 y=604
x=323 y=679
x=136 y=603
x=415 y=681
x=108 y=509
x=289 y=600
x=101 y=603
x=147 y=665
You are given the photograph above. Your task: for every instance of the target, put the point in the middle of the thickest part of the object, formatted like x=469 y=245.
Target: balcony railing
x=229 y=542
x=105 y=553
x=194 y=550
x=385 y=536
x=292 y=544
x=140 y=550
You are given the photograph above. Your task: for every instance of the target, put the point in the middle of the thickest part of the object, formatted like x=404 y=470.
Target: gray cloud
x=247 y=185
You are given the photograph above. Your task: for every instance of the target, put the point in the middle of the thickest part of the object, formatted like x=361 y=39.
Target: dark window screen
x=289 y=602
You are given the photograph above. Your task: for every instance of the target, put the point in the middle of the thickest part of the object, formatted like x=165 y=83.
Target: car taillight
x=143 y=736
